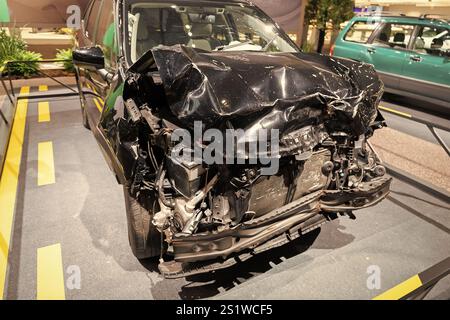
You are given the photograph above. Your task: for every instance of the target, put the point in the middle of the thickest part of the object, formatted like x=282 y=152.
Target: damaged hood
x=278 y=87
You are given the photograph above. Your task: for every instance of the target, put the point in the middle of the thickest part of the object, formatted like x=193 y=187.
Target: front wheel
x=145 y=239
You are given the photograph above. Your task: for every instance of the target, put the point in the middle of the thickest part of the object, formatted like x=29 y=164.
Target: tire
x=144 y=238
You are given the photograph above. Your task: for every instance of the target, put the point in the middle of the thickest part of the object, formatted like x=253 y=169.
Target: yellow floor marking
x=97 y=103
x=44 y=111
x=50 y=275
x=91 y=87
x=396 y=112
x=46 y=165
x=24 y=90
x=43 y=88
x=97 y=100
x=8 y=187
x=401 y=290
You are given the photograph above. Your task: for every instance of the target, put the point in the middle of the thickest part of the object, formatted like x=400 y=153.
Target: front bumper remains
x=271 y=230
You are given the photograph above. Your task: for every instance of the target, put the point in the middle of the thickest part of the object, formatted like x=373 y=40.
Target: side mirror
x=91 y=58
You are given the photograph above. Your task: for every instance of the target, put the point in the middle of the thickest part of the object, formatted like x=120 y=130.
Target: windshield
x=213 y=27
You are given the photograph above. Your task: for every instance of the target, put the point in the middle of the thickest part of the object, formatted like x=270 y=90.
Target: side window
x=394 y=35
x=106 y=35
x=432 y=40
x=360 y=31
x=91 y=23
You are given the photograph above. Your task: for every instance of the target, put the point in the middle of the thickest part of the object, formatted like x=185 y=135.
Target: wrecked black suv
x=227 y=139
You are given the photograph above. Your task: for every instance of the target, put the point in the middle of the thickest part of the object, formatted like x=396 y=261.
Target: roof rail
x=433 y=16
x=430 y=16
x=381 y=13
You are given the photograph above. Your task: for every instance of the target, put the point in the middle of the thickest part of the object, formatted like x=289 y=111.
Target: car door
x=353 y=41
x=87 y=39
x=105 y=39
x=428 y=65
x=387 y=51
x=106 y=91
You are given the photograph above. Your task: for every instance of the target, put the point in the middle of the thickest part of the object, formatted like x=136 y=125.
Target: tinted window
x=360 y=32
x=91 y=22
x=394 y=35
x=106 y=36
x=432 y=40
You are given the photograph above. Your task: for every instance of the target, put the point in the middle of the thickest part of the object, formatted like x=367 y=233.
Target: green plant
x=328 y=11
x=10 y=46
x=66 y=54
x=25 y=69
x=307 y=47
x=13 y=48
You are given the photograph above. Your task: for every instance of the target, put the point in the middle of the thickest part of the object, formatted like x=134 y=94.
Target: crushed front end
x=324 y=111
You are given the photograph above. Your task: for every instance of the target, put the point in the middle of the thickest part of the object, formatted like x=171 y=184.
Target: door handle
x=416 y=58
x=371 y=50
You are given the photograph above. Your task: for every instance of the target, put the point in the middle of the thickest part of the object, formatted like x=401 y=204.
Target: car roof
x=405 y=19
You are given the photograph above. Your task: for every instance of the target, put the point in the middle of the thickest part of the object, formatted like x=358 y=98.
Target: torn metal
x=281 y=88
x=324 y=108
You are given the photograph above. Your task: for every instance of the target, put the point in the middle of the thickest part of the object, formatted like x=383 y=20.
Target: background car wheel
x=145 y=239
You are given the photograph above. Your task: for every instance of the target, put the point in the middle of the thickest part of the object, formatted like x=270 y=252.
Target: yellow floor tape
x=401 y=290
x=50 y=274
x=99 y=102
x=44 y=112
x=46 y=164
x=8 y=184
x=396 y=112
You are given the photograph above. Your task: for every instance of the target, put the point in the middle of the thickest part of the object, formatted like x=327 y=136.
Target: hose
x=162 y=196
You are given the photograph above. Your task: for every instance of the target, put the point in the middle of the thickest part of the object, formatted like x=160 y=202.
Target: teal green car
x=411 y=54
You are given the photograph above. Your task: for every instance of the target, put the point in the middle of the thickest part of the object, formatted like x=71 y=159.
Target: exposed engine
x=203 y=211
x=195 y=199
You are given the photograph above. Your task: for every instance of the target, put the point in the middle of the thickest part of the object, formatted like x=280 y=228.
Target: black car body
x=155 y=69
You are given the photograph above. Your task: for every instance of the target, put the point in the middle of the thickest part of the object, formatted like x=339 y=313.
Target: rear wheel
x=145 y=239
